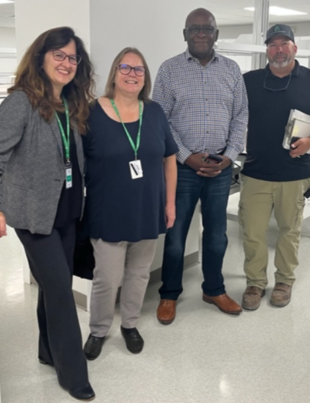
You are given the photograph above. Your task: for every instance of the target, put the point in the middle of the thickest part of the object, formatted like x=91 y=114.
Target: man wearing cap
x=273 y=178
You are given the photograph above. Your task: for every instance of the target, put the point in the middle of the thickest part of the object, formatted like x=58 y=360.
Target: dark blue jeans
x=213 y=193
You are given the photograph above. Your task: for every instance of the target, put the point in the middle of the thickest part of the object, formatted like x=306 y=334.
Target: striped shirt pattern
x=206 y=106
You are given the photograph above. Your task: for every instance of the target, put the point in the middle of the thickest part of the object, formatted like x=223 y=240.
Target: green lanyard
x=134 y=146
x=65 y=137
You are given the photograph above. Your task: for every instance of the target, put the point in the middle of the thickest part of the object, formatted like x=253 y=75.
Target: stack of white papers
x=298 y=126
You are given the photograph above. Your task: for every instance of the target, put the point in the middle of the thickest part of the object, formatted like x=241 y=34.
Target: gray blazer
x=32 y=171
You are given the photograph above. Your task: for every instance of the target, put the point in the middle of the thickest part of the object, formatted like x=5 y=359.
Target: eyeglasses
x=60 y=56
x=277 y=89
x=195 y=29
x=126 y=69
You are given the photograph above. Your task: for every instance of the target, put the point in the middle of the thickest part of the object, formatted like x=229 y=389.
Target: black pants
x=51 y=263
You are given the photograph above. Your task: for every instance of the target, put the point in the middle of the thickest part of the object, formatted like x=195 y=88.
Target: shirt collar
x=189 y=57
x=294 y=72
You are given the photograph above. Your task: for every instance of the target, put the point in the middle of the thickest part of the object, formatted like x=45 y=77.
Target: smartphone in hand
x=213 y=158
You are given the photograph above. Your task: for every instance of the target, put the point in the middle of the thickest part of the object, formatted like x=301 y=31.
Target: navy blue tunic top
x=120 y=208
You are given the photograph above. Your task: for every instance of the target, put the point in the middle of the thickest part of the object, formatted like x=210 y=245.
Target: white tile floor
x=205 y=356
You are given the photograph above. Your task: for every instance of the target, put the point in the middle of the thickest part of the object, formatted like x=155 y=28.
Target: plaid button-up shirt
x=206 y=106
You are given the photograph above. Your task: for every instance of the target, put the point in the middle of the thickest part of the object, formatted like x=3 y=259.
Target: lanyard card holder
x=68 y=175
x=135 y=169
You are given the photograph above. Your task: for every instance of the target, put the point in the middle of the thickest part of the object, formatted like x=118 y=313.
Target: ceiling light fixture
x=273 y=10
x=6 y=1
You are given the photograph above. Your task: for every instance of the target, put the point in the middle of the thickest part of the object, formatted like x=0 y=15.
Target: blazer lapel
x=55 y=129
x=78 y=142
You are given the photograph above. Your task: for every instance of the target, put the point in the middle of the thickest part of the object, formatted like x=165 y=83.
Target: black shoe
x=43 y=362
x=133 y=339
x=86 y=394
x=93 y=346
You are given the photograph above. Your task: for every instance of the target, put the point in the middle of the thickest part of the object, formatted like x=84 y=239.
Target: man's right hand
x=2 y=225
x=195 y=161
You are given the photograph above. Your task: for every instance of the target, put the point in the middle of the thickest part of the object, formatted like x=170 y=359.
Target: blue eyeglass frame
x=124 y=65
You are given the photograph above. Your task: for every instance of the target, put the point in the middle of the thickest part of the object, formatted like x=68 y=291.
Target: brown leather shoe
x=251 y=298
x=166 y=311
x=224 y=303
x=281 y=295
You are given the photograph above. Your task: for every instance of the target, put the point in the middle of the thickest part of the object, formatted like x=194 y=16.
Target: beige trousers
x=257 y=201
x=119 y=263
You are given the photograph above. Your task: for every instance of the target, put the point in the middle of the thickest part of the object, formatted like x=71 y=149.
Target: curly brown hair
x=31 y=78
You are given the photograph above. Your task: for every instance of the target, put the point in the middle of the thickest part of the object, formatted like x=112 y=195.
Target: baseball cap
x=279 y=29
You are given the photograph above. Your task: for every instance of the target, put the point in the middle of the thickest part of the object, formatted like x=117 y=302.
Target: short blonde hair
x=144 y=94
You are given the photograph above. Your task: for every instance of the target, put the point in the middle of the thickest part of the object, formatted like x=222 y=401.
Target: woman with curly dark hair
x=41 y=187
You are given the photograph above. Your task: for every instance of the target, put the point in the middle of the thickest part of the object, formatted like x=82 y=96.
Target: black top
x=70 y=202
x=119 y=208
x=268 y=114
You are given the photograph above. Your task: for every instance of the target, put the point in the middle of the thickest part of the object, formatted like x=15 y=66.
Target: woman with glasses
x=130 y=182
x=41 y=187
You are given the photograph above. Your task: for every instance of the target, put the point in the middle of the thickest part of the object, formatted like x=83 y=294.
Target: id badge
x=135 y=169
x=68 y=175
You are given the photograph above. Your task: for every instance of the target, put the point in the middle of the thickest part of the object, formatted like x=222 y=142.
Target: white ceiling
x=227 y=12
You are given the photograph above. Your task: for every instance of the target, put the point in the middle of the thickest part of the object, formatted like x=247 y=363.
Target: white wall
x=7 y=37
x=8 y=65
x=7 y=41
x=155 y=28
x=32 y=17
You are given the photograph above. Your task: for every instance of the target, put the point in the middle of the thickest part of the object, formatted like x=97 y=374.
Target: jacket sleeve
x=14 y=112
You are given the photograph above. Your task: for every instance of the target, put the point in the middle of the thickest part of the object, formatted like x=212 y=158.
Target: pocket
x=19 y=203
x=299 y=213
x=240 y=204
x=240 y=215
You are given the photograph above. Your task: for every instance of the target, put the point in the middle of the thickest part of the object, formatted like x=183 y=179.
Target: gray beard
x=279 y=65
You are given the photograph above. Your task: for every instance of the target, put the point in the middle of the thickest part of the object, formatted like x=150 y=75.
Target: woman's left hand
x=170 y=215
